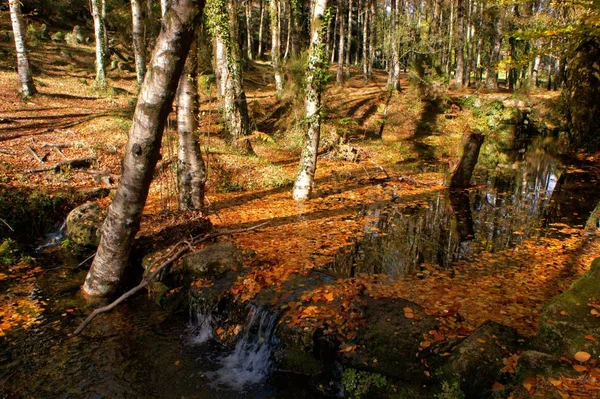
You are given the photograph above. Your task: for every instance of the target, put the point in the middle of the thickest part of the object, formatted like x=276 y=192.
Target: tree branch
x=171 y=256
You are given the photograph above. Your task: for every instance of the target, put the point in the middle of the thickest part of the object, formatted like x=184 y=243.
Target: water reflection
x=509 y=204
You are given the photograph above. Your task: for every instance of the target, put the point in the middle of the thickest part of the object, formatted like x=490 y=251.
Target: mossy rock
x=389 y=343
x=567 y=319
x=533 y=363
x=214 y=260
x=295 y=351
x=476 y=362
x=84 y=225
x=8 y=252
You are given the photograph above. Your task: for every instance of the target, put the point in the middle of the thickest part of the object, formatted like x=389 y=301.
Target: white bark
x=276 y=45
x=341 y=46
x=26 y=86
x=139 y=45
x=249 y=41
x=100 y=44
x=317 y=64
x=143 y=148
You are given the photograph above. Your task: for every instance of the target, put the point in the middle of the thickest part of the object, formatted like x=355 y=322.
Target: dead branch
x=7 y=225
x=36 y=156
x=76 y=163
x=7 y=152
x=171 y=256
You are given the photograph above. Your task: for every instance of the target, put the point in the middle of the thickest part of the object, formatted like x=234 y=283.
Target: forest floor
x=70 y=119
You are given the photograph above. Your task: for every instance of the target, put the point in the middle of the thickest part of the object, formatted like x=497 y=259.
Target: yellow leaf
x=554 y=381
x=579 y=368
x=425 y=344
x=347 y=348
x=407 y=310
x=328 y=296
x=582 y=357
x=529 y=383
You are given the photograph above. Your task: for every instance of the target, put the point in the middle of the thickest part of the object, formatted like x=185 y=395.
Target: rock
x=77 y=34
x=57 y=37
x=532 y=363
x=389 y=342
x=214 y=260
x=567 y=319
x=476 y=362
x=84 y=225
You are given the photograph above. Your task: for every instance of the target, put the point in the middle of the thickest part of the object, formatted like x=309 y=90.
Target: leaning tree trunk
x=139 y=43
x=461 y=178
x=222 y=20
x=100 y=47
x=276 y=45
x=315 y=72
x=191 y=173
x=143 y=147
x=26 y=86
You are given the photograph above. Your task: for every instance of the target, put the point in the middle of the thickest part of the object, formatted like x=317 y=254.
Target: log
x=77 y=163
x=461 y=178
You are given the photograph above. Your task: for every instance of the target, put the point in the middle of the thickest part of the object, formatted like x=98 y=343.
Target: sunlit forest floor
x=510 y=286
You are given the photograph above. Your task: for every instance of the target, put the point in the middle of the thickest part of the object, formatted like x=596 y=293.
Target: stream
x=141 y=351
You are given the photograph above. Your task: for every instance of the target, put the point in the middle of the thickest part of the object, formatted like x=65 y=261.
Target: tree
x=222 y=22
x=315 y=84
x=249 y=41
x=26 y=86
x=191 y=173
x=341 y=46
x=100 y=44
x=276 y=44
x=394 y=56
x=460 y=44
x=139 y=44
x=143 y=147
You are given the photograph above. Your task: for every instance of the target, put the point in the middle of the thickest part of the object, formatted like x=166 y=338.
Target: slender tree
x=341 y=45
x=222 y=21
x=261 y=28
x=100 y=44
x=460 y=44
x=139 y=43
x=394 y=56
x=276 y=44
x=349 y=40
x=315 y=71
x=191 y=173
x=249 y=42
x=26 y=86
x=143 y=147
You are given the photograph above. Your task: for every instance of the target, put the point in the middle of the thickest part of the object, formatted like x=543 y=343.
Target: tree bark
x=349 y=40
x=139 y=44
x=249 y=41
x=460 y=44
x=100 y=47
x=341 y=46
x=276 y=45
x=261 y=29
x=496 y=30
x=461 y=178
x=143 y=147
x=365 y=40
x=394 y=57
x=317 y=66
x=372 y=22
x=191 y=172
x=223 y=26
x=26 y=86
x=164 y=5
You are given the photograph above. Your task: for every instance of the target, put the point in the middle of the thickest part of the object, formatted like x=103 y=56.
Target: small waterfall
x=201 y=324
x=250 y=362
x=53 y=239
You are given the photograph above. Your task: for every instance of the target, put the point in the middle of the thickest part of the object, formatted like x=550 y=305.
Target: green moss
x=8 y=252
x=357 y=384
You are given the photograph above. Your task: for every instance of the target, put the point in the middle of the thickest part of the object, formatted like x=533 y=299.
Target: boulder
x=84 y=225
x=476 y=362
x=571 y=316
x=390 y=343
x=214 y=260
x=533 y=363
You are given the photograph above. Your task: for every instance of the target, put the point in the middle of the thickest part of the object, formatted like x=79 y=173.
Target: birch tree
x=315 y=84
x=100 y=44
x=139 y=43
x=143 y=147
x=341 y=46
x=222 y=21
x=460 y=44
x=276 y=44
x=191 y=173
x=249 y=41
x=26 y=86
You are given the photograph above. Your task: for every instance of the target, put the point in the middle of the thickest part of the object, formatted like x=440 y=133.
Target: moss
x=358 y=384
x=8 y=252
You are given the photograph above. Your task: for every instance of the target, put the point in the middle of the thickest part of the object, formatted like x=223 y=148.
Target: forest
x=300 y=199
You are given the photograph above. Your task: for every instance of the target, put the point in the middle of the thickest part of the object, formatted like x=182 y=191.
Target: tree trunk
x=139 y=44
x=365 y=40
x=496 y=29
x=164 y=4
x=143 y=147
x=460 y=44
x=394 y=56
x=341 y=46
x=223 y=26
x=315 y=71
x=26 y=86
x=349 y=40
x=249 y=41
x=372 y=21
x=260 y=29
x=100 y=48
x=191 y=173
x=276 y=45
x=461 y=178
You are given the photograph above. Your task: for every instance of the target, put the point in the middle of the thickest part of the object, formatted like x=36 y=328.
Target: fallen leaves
x=582 y=357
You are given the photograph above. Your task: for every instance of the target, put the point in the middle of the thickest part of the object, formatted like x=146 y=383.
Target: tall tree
x=276 y=44
x=342 y=37
x=191 y=173
x=26 y=86
x=460 y=44
x=139 y=43
x=315 y=84
x=394 y=56
x=100 y=44
x=261 y=28
x=143 y=147
x=349 y=40
x=222 y=21
x=249 y=42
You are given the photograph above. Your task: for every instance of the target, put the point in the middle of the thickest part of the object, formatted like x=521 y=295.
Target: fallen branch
x=36 y=156
x=171 y=256
x=72 y=163
x=7 y=152
x=7 y=225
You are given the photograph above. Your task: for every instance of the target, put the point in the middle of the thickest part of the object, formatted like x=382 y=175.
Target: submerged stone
x=84 y=225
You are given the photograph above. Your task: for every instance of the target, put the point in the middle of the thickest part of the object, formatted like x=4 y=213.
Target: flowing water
x=141 y=351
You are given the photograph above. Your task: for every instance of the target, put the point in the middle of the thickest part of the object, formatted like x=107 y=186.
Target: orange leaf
x=497 y=386
x=579 y=368
x=529 y=383
x=328 y=296
x=590 y=338
x=425 y=344
x=347 y=348
x=582 y=357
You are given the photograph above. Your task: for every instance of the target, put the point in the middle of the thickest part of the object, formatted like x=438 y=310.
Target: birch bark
x=26 y=86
